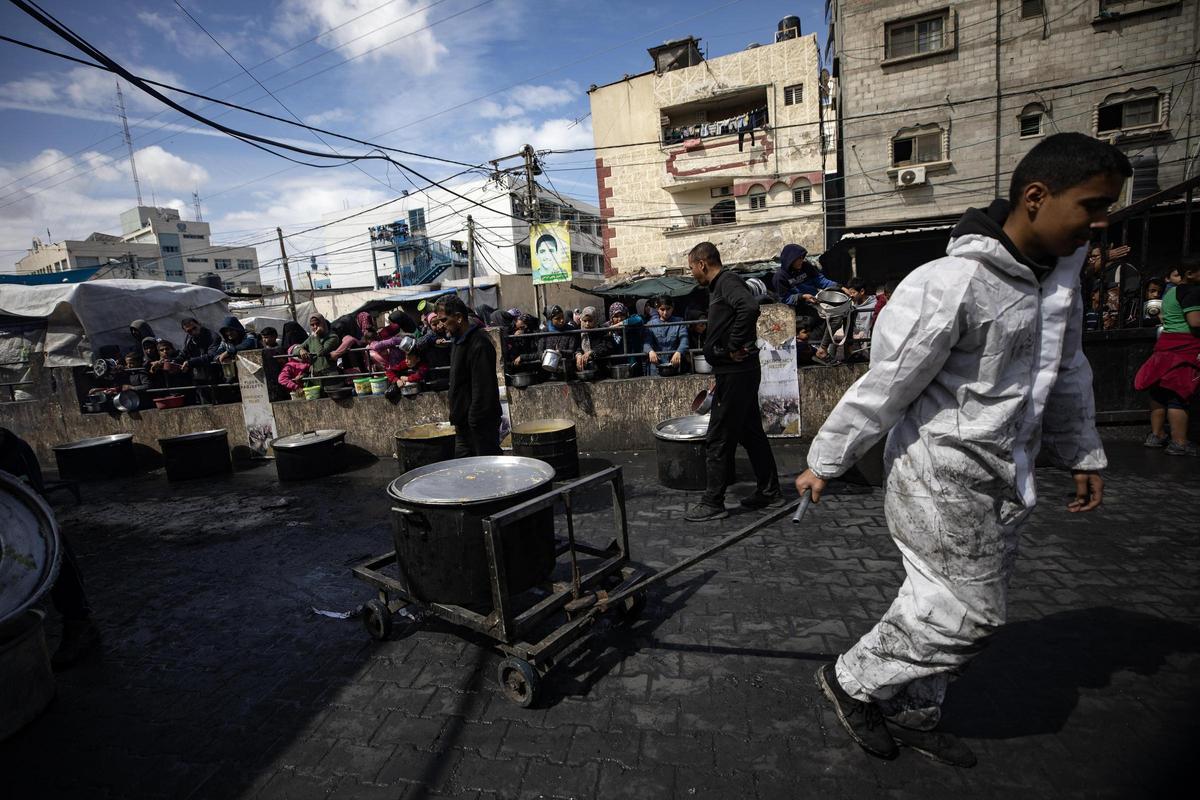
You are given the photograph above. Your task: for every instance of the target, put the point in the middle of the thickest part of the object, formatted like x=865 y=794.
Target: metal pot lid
x=543 y=426
x=95 y=441
x=693 y=426
x=29 y=547
x=470 y=480
x=308 y=438
x=216 y=433
x=430 y=430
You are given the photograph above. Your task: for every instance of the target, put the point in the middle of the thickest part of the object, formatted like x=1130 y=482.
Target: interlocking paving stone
x=216 y=680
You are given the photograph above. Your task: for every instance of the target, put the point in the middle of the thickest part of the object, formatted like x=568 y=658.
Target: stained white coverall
x=975 y=365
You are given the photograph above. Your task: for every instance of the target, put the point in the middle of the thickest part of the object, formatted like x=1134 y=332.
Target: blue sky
x=390 y=72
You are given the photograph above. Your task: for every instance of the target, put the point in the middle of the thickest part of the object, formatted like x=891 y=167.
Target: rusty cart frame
x=582 y=599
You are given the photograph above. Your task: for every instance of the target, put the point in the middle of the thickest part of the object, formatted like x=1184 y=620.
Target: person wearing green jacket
x=320 y=344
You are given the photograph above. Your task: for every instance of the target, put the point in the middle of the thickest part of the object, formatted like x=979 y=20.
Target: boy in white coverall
x=976 y=364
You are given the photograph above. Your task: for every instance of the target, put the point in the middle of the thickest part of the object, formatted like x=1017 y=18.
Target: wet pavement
x=216 y=679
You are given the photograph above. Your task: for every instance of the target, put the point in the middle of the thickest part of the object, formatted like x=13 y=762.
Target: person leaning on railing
x=320 y=345
x=560 y=338
x=668 y=342
x=594 y=348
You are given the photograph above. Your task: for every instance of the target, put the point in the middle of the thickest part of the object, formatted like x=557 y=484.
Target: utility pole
x=534 y=216
x=374 y=260
x=287 y=275
x=470 y=260
x=128 y=142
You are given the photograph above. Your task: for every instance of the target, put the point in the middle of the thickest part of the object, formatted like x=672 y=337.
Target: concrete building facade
x=155 y=244
x=497 y=207
x=727 y=149
x=938 y=102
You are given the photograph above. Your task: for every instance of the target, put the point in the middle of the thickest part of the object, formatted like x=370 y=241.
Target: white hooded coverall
x=974 y=367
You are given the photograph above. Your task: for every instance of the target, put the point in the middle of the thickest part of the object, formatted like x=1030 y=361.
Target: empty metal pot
x=407 y=343
x=437 y=520
x=551 y=360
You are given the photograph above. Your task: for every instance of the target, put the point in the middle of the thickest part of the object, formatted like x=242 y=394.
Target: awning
x=51 y=278
x=671 y=286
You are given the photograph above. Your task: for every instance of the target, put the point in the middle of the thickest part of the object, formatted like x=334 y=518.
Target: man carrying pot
x=474 y=393
x=731 y=348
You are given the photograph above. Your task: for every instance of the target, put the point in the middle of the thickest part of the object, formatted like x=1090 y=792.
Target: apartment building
x=731 y=149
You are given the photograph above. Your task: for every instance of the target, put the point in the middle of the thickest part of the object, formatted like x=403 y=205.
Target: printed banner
x=779 y=391
x=550 y=252
x=256 y=404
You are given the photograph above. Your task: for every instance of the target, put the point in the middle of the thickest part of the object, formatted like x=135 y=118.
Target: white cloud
x=104 y=167
x=551 y=134
x=538 y=97
x=29 y=90
x=371 y=35
x=165 y=170
x=326 y=117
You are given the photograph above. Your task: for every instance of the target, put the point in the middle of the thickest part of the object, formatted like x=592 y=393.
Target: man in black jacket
x=199 y=351
x=731 y=348
x=474 y=393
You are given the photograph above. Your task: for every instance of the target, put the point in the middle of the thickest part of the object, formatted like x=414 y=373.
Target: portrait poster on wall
x=550 y=251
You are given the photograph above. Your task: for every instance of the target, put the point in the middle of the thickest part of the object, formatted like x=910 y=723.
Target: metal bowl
x=127 y=400
x=620 y=370
x=668 y=370
x=832 y=304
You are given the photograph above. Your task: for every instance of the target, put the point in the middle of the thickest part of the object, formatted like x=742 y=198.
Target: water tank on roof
x=212 y=280
x=789 y=28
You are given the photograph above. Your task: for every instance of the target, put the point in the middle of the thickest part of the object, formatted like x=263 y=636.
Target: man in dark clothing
x=199 y=350
x=731 y=348
x=798 y=280
x=474 y=393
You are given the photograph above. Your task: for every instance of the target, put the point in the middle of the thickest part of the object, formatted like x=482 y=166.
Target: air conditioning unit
x=910 y=176
x=721 y=191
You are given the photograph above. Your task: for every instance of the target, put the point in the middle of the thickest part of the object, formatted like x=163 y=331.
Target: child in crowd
x=136 y=377
x=272 y=364
x=166 y=372
x=298 y=363
x=412 y=369
x=805 y=351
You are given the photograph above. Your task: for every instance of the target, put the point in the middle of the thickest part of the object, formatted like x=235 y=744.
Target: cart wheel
x=377 y=619
x=519 y=681
x=632 y=607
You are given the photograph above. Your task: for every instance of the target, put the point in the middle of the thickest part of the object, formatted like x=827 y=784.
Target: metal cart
x=525 y=635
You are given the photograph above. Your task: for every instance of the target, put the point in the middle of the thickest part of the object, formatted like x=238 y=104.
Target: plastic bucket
x=379 y=385
x=312 y=392
x=362 y=386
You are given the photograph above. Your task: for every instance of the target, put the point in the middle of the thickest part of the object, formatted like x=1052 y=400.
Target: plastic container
x=312 y=392
x=379 y=385
x=362 y=386
x=170 y=401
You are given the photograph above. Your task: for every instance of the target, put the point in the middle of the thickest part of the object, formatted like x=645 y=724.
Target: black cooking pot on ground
x=437 y=523
x=196 y=455
x=552 y=441
x=96 y=458
x=312 y=454
x=682 y=452
x=424 y=444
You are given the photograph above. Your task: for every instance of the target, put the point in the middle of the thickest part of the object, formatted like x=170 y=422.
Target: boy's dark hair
x=269 y=331
x=548 y=238
x=1065 y=160
x=706 y=252
x=452 y=305
x=857 y=283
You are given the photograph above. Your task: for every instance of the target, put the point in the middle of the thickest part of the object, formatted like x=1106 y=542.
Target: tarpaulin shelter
x=69 y=322
x=639 y=286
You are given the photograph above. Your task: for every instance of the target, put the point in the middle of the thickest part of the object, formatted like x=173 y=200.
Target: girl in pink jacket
x=294 y=369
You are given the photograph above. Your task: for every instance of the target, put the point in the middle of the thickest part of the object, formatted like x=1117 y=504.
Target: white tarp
x=83 y=317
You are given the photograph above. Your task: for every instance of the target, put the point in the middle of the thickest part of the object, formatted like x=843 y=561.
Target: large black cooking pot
x=30 y=550
x=424 y=444
x=96 y=458
x=552 y=441
x=196 y=455
x=437 y=525
x=312 y=454
x=682 y=453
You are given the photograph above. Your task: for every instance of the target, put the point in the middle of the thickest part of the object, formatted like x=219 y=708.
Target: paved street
x=216 y=679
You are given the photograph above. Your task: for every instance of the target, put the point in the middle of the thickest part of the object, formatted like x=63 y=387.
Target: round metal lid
x=308 y=438
x=470 y=480
x=543 y=426
x=29 y=547
x=430 y=430
x=95 y=441
x=693 y=426
x=216 y=433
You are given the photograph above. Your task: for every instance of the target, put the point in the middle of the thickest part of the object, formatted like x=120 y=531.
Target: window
x=724 y=213
x=229 y=286
x=793 y=95
x=919 y=147
x=758 y=199
x=917 y=36
x=193 y=236
x=1142 y=112
x=222 y=263
x=576 y=262
x=591 y=262
x=197 y=260
x=245 y=263
x=1032 y=8
x=801 y=195
x=174 y=273
x=416 y=219
x=1030 y=121
x=166 y=248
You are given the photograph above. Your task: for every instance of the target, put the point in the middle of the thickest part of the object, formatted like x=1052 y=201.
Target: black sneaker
x=703 y=512
x=759 y=500
x=942 y=747
x=863 y=721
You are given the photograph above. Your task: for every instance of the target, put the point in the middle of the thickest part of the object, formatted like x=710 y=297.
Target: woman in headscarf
x=293 y=333
x=628 y=340
x=320 y=345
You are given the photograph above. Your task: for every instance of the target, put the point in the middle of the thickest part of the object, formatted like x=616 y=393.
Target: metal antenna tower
x=196 y=205
x=128 y=142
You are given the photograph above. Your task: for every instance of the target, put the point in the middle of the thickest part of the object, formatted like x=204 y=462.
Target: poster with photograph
x=256 y=405
x=779 y=391
x=550 y=252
